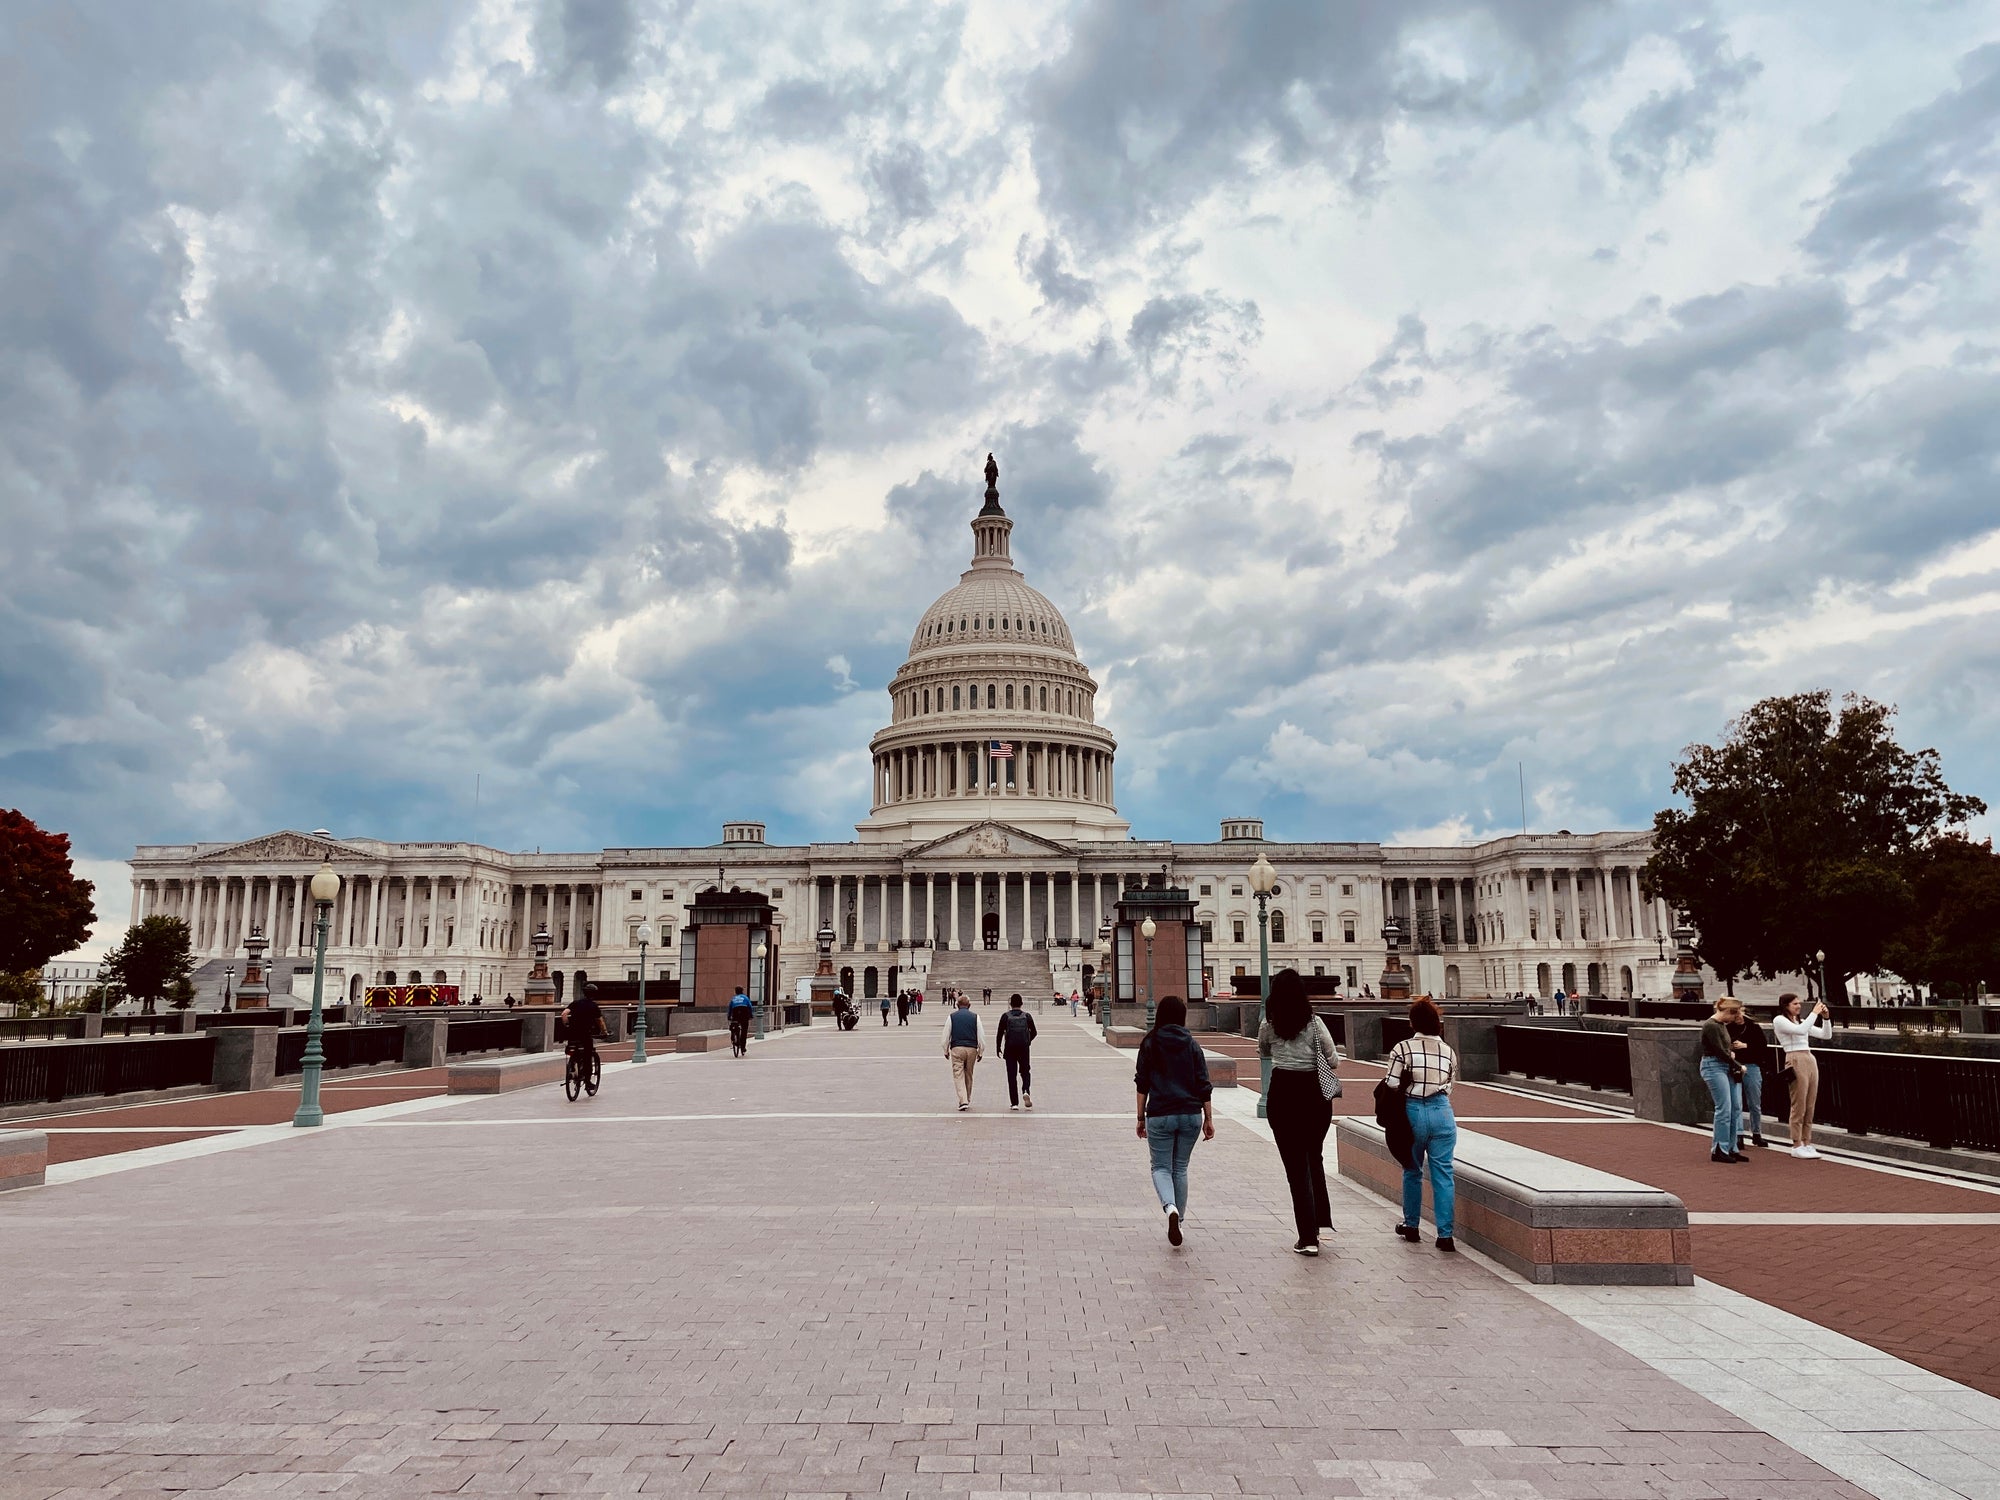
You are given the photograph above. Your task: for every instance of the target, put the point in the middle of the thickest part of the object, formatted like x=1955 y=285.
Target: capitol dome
x=993 y=716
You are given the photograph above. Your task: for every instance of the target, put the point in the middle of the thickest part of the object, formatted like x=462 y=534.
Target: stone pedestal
x=423 y=1042
x=246 y=1058
x=1476 y=1040
x=1395 y=980
x=254 y=993
x=1364 y=1035
x=1666 y=1074
x=538 y=1030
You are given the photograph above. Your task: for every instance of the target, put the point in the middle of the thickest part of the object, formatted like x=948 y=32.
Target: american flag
x=1001 y=749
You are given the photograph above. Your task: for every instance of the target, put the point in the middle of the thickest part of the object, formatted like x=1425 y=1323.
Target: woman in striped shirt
x=1426 y=1069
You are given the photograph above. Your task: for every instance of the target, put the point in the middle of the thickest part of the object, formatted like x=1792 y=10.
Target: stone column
x=1073 y=935
x=371 y=934
x=1000 y=905
x=1458 y=913
x=904 y=935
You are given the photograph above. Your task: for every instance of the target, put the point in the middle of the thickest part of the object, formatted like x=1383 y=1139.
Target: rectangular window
x=638 y=895
x=777 y=893
x=1319 y=971
x=1319 y=930
x=1315 y=888
x=1207 y=932
x=1347 y=930
x=1346 y=887
x=1351 y=976
x=1205 y=888
x=1237 y=927
x=1236 y=890
x=1238 y=970
x=631 y=976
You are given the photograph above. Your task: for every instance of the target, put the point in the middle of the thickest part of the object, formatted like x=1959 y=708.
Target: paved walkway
x=798 y=1273
x=1906 y=1262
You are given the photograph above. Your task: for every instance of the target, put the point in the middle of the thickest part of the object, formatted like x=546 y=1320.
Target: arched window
x=1017 y=622
x=954 y=695
x=1045 y=699
x=1003 y=624
x=1010 y=695
x=927 y=700
x=992 y=696
x=961 y=623
x=989 y=622
x=1277 y=927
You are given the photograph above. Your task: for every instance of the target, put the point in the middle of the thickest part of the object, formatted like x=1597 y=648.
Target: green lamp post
x=325 y=887
x=1263 y=881
x=758 y=948
x=1147 y=929
x=644 y=938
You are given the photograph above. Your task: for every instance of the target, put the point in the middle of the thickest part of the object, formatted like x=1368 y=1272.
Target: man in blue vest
x=961 y=1045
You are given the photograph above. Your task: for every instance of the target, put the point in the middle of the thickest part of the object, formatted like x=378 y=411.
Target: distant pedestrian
x=903 y=1008
x=1015 y=1034
x=1074 y=998
x=1175 y=1105
x=1297 y=1041
x=1724 y=1076
x=886 y=1002
x=1562 y=1002
x=1795 y=1034
x=1426 y=1069
x=1756 y=1060
x=962 y=1046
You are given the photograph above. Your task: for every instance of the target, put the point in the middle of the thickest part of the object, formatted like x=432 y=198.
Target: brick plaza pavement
x=800 y=1273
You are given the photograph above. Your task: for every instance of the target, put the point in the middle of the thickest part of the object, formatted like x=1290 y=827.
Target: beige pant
x=962 y=1060
x=1805 y=1094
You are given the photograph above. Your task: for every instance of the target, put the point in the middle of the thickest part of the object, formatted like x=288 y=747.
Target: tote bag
x=1329 y=1075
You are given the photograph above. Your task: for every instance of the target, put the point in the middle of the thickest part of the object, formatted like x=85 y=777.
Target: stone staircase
x=1000 y=971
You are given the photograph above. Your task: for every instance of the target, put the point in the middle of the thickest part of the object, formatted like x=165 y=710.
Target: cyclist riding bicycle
x=583 y=1022
x=740 y=1012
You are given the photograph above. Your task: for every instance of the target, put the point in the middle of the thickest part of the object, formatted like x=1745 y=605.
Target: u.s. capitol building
x=974 y=868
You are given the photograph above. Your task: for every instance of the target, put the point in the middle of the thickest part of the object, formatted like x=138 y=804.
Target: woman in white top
x=1425 y=1068
x=1795 y=1038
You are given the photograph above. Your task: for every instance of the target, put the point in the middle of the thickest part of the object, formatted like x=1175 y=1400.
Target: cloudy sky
x=584 y=398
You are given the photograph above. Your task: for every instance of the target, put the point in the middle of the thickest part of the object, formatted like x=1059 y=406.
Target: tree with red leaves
x=45 y=911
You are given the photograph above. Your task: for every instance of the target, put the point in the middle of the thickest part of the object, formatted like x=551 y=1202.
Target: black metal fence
x=160 y=1023
x=1595 y=1059
x=344 y=1046
x=44 y=1028
x=1395 y=1029
x=49 y=1072
x=499 y=1035
x=1947 y=1101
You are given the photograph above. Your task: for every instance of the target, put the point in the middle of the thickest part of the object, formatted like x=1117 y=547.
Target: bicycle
x=583 y=1071
x=739 y=1035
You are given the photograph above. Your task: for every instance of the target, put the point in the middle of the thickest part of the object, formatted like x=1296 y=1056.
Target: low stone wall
x=504 y=1075
x=24 y=1159
x=1553 y=1221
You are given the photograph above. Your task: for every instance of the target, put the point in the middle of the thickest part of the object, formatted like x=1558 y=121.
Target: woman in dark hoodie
x=1174 y=1105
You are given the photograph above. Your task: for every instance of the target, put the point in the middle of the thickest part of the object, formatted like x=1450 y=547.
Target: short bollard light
x=644 y=938
x=325 y=888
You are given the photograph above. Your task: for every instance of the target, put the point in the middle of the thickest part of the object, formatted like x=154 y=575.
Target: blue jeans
x=1753 y=1100
x=1171 y=1140
x=1436 y=1132
x=1727 y=1093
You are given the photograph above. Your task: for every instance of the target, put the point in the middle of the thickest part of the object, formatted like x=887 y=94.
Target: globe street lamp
x=1263 y=881
x=325 y=887
x=644 y=937
x=758 y=948
x=1819 y=958
x=1146 y=930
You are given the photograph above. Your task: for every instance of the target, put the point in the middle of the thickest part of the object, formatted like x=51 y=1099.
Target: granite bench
x=1555 y=1222
x=1126 y=1037
x=24 y=1159
x=700 y=1041
x=505 y=1074
x=1221 y=1069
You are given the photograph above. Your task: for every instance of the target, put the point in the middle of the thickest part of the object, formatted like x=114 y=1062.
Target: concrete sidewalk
x=802 y=1272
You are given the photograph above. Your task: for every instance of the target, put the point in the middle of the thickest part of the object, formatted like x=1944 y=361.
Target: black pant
x=739 y=1032
x=1017 y=1073
x=1300 y=1117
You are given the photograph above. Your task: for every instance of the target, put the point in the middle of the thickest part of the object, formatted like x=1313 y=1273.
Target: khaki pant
x=962 y=1060
x=1805 y=1094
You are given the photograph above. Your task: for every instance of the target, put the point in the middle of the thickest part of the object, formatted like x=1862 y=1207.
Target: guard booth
x=731 y=939
x=1177 y=957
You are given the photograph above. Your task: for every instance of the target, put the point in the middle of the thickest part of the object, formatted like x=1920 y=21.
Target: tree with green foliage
x=1953 y=939
x=45 y=911
x=150 y=961
x=20 y=990
x=1803 y=831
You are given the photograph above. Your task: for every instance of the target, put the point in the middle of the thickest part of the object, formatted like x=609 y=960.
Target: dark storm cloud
x=1044 y=265
x=589 y=36
x=1913 y=193
x=1150 y=107
x=1173 y=331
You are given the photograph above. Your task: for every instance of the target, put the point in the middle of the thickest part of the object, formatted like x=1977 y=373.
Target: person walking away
x=741 y=1013
x=1016 y=1034
x=1175 y=1105
x=1795 y=1034
x=885 y=1007
x=1427 y=1068
x=1724 y=1076
x=903 y=1008
x=962 y=1047
x=1300 y=1113
x=1756 y=1060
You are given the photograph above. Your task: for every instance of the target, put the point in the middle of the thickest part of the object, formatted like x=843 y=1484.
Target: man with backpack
x=1016 y=1036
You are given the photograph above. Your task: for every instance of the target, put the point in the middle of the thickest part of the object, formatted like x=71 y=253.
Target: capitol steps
x=993 y=973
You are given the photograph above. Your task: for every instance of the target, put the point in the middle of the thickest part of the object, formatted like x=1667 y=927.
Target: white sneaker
x=1807 y=1152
